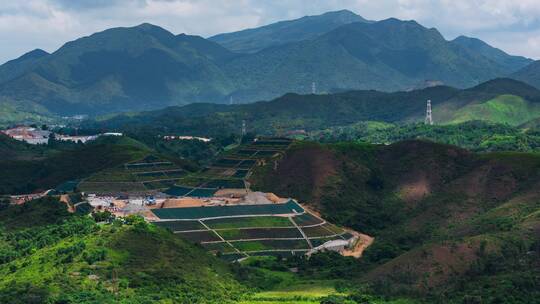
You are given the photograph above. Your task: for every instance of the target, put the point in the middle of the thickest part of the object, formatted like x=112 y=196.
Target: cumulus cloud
x=511 y=25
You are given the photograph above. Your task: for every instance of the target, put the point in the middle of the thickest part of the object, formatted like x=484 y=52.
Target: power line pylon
x=429 y=117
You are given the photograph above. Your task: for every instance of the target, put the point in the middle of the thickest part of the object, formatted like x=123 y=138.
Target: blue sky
x=512 y=25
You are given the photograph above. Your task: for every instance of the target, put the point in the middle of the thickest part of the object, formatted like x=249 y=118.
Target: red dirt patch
x=428 y=267
x=414 y=191
x=302 y=174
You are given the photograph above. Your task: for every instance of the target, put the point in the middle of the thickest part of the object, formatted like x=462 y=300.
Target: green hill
x=12 y=149
x=73 y=260
x=479 y=136
x=509 y=109
x=123 y=69
x=486 y=101
x=449 y=225
x=23 y=112
x=42 y=173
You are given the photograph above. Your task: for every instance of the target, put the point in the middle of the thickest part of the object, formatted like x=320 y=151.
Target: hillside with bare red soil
x=445 y=220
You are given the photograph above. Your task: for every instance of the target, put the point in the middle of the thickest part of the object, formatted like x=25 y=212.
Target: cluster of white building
x=123 y=205
x=175 y=137
x=36 y=136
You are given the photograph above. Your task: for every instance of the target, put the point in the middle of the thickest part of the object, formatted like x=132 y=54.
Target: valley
x=423 y=202
x=269 y=152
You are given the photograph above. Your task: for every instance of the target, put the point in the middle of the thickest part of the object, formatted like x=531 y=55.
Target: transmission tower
x=313 y=88
x=429 y=117
x=244 y=129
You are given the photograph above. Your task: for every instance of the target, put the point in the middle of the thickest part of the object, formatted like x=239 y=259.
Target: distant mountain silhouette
x=529 y=74
x=146 y=67
x=512 y=63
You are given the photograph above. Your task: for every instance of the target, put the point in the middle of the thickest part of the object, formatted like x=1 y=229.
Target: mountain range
x=504 y=100
x=147 y=67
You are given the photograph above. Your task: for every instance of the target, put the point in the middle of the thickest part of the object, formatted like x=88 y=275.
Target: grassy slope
x=76 y=263
x=441 y=216
x=509 y=109
x=17 y=112
x=280 y=286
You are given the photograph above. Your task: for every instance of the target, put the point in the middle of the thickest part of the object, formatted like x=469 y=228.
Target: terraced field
x=149 y=174
x=269 y=245
x=191 y=213
x=157 y=174
x=239 y=231
x=228 y=172
x=260 y=233
x=246 y=222
x=181 y=225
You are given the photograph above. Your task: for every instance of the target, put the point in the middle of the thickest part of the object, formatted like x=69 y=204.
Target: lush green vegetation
x=475 y=135
x=339 y=112
x=202 y=153
x=324 y=278
x=26 y=176
x=467 y=222
x=59 y=257
x=50 y=256
x=12 y=149
x=111 y=55
x=509 y=109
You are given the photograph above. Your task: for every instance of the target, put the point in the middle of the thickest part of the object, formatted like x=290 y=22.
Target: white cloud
x=24 y=25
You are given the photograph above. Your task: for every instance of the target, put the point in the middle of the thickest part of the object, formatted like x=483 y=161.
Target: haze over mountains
x=529 y=74
x=280 y=33
x=146 y=67
x=505 y=101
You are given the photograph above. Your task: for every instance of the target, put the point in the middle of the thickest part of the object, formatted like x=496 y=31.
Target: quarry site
x=215 y=207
